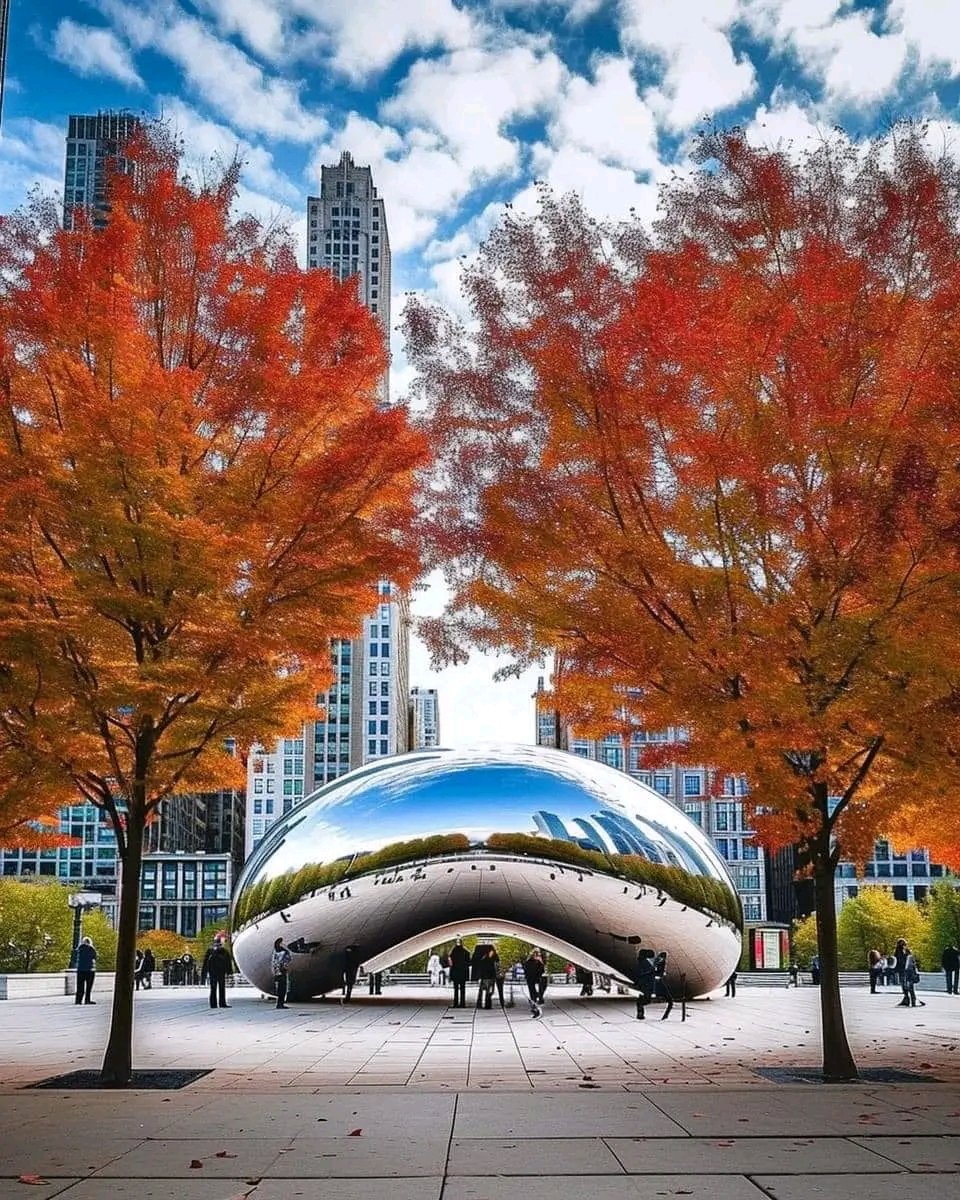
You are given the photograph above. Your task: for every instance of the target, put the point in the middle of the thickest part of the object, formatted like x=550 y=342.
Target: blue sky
x=458 y=106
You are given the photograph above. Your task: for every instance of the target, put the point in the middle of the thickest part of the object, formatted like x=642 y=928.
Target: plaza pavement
x=403 y=1098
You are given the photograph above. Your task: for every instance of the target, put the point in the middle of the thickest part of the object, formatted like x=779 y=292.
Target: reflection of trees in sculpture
x=697 y=891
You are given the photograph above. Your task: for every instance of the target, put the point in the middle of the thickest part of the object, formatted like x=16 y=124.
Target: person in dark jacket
x=280 y=962
x=86 y=970
x=900 y=953
x=875 y=965
x=585 y=979
x=217 y=965
x=138 y=969
x=662 y=988
x=459 y=959
x=730 y=987
x=351 y=969
x=487 y=978
x=950 y=961
x=147 y=968
x=533 y=972
x=646 y=981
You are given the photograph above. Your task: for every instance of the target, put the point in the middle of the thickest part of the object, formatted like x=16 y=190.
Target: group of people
x=901 y=969
x=144 y=965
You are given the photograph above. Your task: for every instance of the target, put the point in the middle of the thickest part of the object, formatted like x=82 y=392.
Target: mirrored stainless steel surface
x=407 y=853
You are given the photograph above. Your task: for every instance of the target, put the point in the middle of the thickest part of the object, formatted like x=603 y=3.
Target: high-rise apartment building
x=424 y=718
x=365 y=710
x=95 y=147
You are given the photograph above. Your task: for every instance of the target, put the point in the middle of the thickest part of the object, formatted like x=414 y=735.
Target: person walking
x=662 y=988
x=950 y=962
x=544 y=979
x=351 y=969
x=815 y=970
x=86 y=970
x=646 y=981
x=911 y=977
x=138 y=969
x=147 y=968
x=794 y=975
x=585 y=979
x=487 y=978
x=217 y=965
x=890 y=971
x=434 y=970
x=730 y=987
x=459 y=970
x=280 y=964
x=875 y=965
x=900 y=953
x=533 y=972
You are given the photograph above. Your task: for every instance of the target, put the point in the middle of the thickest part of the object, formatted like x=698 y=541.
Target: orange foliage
x=719 y=466
x=198 y=490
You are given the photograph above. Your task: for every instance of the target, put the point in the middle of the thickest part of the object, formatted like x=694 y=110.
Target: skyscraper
x=95 y=146
x=365 y=709
x=424 y=718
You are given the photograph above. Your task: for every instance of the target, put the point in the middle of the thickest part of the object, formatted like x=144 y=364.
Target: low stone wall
x=30 y=987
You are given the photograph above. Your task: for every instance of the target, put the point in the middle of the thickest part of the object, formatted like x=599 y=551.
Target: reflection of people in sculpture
x=487 y=977
x=459 y=970
x=299 y=946
x=434 y=969
x=533 y=972
x=351 y=968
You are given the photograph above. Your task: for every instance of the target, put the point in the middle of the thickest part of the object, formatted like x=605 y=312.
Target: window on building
x=148 y=882
x=374 y=650
x=695 y=813
x=188 y=922
x=372 y=746
x=692 y=785
x=900 y=891
x=384 y=708
x=147 y=919
x=384 y=668
x=258 y=787
x=189 y=881
x=661 y=784
x=384 y=746
x=750 y=850
x=751 y=908
x=168 y=917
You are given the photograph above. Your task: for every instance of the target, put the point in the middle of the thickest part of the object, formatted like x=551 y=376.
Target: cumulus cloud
x=31 y=155
x=837 y=47
x=784 y=125
x=608 y=117
x=97 y=52
x=931 y=30
x=701 y=74
x=219 y=73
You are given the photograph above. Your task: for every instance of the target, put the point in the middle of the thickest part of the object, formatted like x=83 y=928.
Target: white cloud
x=839 y=48
x=606 y=190
x=31 y=155
x=701 y=75
x=608 y=117
x=365 y=36
x=206 y=139
x=784 y=125
x=258 y=23
x=573 y=10
x=931 y=28
x=97 y=52
x=225 y=78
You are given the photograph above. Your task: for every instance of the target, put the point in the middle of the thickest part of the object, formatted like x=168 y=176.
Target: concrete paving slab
x=12 y=1189
x=157 y=1189
x=349 y=1189
x=163 y=1158
x=23 y=1152
x=560 y=1115
x=528 y=1156
x=358 y=1157
x=744 y=1156
x=607 y=1187
x=917 y=1153
x=848 y=1187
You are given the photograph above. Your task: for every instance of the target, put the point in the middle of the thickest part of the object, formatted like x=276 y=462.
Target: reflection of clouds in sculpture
x=527 y=803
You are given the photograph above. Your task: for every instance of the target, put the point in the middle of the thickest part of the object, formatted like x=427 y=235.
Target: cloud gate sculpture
x=409 y=852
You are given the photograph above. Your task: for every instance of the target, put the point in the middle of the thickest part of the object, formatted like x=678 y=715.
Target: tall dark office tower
x=4 y=28
x=95 y=146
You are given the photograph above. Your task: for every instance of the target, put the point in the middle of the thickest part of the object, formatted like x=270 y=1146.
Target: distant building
x=424 y=718
x=95 y=147
x=181 y=893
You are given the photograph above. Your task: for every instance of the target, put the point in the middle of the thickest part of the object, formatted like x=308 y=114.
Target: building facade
x=95 y=148
x=182 y=893
x=424 y=718
x=365 y=711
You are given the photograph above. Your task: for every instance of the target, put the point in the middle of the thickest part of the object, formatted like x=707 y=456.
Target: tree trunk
x=838 y=1061
x=117 y=1060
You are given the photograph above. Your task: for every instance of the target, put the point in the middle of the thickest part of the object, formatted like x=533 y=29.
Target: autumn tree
x=36 y=926
x=198 y=490
x=874 y=920
x=712 y=469
x=943 y=913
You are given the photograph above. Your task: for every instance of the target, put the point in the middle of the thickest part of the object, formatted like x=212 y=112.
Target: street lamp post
x=80 y=902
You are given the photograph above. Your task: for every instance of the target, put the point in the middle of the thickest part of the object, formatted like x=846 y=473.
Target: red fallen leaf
x=31 y=1179
x=355 y=1132
x=195 y=1163
x=224 y=1154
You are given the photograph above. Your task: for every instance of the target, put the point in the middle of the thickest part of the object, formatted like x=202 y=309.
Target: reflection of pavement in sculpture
x=590 y=915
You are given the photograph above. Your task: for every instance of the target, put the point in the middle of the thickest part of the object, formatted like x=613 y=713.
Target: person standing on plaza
x=280 y=964
x=533 y=972
x=351 y=969
x=910 y=977
x=645 y=980
x=794 y=975
x=875 y=965
x=147 y=968
x=217 y=965
x=585 y=979
x=662 y=988
x=86 y=970
x=730 y=987
x=434 y=969
x=138 y=969
x=459 y=970
x=900 y=953
x=950 y=962
x=486 y=975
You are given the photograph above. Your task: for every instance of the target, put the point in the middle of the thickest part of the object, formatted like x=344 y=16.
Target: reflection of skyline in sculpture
x=519 y=840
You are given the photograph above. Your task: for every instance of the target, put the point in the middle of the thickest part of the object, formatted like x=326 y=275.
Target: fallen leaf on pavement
x=355 y=1132
x=224 y=1154
x=31 y=1179
x=195 y=1163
